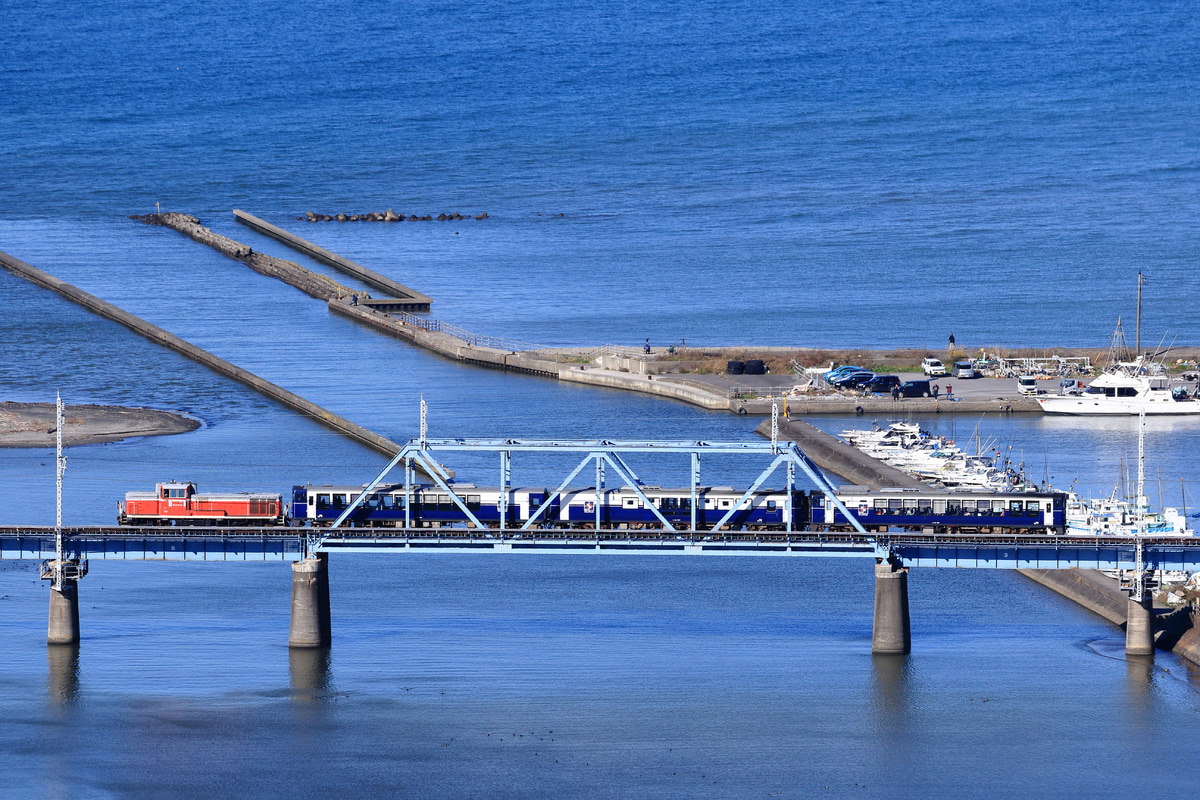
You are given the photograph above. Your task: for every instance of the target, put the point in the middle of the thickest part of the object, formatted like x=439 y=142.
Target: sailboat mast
x=1137 y=336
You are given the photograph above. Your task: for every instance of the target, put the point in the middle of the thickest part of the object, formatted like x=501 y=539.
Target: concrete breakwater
x=400 y=297
x=219 y=365
x=311 y=283
x=1176 y=631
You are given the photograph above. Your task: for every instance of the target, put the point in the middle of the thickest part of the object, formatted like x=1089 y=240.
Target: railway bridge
x=66 y=551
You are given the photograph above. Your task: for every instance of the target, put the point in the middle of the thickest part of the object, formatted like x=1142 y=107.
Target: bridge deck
x=917 y=550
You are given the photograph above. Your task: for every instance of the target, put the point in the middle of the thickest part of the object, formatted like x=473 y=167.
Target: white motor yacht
x=1126 y=388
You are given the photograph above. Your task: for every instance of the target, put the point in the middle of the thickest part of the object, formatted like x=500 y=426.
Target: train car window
x=323 y=502
x=726 y=502
x=772 y=505
x=910 y=503
x=881 y=504
x=670 y=503
x=1016 y=506
x=473 y=502
x=939 y=506
x=340 y=501
x=629 y=502
x=685 y=503
x=373 y=502
x=895 y=502
x=998 y=506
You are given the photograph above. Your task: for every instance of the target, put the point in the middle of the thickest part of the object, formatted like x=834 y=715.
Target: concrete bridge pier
x=64 y=613
x=310 y=603
x=890 y=633
x=1139 y=626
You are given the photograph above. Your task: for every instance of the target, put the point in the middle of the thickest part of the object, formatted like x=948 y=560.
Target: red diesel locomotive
x=179 y=504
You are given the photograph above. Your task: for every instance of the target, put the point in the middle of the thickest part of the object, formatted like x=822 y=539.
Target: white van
x=1027 y=384
x=933 y=368
x=964 y=369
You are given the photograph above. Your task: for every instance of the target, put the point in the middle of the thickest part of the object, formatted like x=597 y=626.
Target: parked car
x=853 y=380
x=964 y=370
x=915 y=389
x=883 y=384
x=1027 y=384
x=933 y=368
x=838 y=372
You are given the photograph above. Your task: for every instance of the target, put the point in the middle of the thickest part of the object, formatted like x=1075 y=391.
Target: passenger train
x=616 y=508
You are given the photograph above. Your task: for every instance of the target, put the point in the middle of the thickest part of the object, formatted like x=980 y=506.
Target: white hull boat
x=1125 y=389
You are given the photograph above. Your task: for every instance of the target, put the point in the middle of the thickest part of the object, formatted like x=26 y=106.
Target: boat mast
x=1137 y=335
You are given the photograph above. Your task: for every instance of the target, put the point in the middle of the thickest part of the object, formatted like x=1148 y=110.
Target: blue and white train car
x=963 y=512
x=624 y=509
x=431 y=505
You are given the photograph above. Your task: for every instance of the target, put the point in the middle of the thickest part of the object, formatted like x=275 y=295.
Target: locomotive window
x=175 y=493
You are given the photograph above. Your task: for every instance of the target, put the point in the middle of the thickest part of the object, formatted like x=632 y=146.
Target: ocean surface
x=859 y=174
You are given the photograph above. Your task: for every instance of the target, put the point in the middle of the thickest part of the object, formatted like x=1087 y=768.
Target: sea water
x=845 y=175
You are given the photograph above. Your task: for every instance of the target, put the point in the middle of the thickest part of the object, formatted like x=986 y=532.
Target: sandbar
x=33 y=424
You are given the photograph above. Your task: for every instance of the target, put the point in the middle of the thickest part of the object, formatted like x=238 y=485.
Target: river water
x=861 y=174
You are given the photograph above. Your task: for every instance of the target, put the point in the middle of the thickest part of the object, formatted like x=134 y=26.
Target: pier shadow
x=309 y=671
x=62 y=678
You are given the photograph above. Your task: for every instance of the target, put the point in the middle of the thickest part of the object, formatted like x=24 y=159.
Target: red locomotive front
x=180 y=504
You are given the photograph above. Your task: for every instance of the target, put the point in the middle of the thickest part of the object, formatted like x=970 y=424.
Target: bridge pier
x=890 y=631
x=1139 y=626
x=64 y=613
x=310 y=625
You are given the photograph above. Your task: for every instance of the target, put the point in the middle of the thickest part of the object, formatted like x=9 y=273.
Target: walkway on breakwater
x=219 y=365
x=400 y=297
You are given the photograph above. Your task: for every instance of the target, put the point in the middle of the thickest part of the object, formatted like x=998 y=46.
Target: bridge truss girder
x=604 y=455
